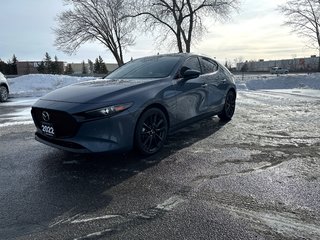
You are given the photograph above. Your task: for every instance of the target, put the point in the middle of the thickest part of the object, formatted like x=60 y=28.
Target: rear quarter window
x=208 y=65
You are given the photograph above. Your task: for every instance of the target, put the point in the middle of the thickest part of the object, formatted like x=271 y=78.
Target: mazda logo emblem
x=45 y=116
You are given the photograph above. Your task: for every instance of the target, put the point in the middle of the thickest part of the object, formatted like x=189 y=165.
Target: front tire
x=151 y=131
x=3 y=94
x=229 y=107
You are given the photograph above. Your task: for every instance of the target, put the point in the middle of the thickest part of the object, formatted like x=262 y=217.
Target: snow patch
x=297 y=81
x=283 y=223
x=37 y=85
x=95 y=234
x=170 y=203
x=8 y=124
x=94 y=219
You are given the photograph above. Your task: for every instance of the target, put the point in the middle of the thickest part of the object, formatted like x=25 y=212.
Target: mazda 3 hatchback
x=136 y=106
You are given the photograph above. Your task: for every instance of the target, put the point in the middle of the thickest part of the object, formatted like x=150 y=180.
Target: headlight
x=104 y=112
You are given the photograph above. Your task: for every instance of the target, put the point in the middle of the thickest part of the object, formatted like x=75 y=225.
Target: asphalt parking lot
x=255 y=177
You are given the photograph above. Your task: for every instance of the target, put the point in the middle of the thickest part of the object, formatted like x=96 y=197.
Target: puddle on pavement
x=16 y=112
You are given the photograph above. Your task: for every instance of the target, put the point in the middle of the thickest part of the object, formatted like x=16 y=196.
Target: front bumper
x=102 y=135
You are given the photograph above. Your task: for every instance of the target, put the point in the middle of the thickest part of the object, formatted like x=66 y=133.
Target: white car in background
x=4 y=88
x=279 y=70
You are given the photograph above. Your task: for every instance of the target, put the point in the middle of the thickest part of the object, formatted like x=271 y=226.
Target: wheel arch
x=159 y=106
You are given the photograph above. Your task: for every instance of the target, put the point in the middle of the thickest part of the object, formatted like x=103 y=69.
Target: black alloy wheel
x=151 y=131
x=229 y=107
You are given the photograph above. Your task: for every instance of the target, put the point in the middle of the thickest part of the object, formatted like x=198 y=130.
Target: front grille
x=64 y=124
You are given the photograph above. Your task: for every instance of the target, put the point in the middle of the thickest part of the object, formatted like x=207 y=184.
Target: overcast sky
x=255 y=32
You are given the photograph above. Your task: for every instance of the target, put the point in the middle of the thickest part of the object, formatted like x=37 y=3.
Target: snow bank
x=311 y=81
x=36 y=85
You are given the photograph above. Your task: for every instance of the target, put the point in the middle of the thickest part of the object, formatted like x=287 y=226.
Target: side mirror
x=190 y=74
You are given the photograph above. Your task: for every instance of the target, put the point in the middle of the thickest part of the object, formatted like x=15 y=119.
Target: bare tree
x=95 y=20
x=182 y=20
x=303 y=16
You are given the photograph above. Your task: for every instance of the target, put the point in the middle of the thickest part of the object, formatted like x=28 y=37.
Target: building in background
x=293 y=65
x=31 y=67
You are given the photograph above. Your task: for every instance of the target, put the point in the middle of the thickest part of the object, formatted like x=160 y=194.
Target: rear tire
x=151 y=131
x=3 y=94
x=229 y=107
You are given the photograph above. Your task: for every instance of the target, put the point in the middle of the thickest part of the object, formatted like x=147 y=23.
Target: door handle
x=204 y=85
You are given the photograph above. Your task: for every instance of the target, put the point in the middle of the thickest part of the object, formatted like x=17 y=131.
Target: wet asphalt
x=255 y=177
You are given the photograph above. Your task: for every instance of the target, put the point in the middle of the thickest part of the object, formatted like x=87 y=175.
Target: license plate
x=47 y=129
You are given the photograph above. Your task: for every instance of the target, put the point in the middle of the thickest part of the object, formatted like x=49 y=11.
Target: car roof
x=183 y=55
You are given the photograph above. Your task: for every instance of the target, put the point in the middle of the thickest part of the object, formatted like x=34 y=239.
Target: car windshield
x=150 y=67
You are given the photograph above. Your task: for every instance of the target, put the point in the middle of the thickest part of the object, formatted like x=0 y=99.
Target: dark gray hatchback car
x=137 y=105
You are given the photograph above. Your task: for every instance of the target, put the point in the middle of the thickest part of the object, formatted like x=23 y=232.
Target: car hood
x=95 y=91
